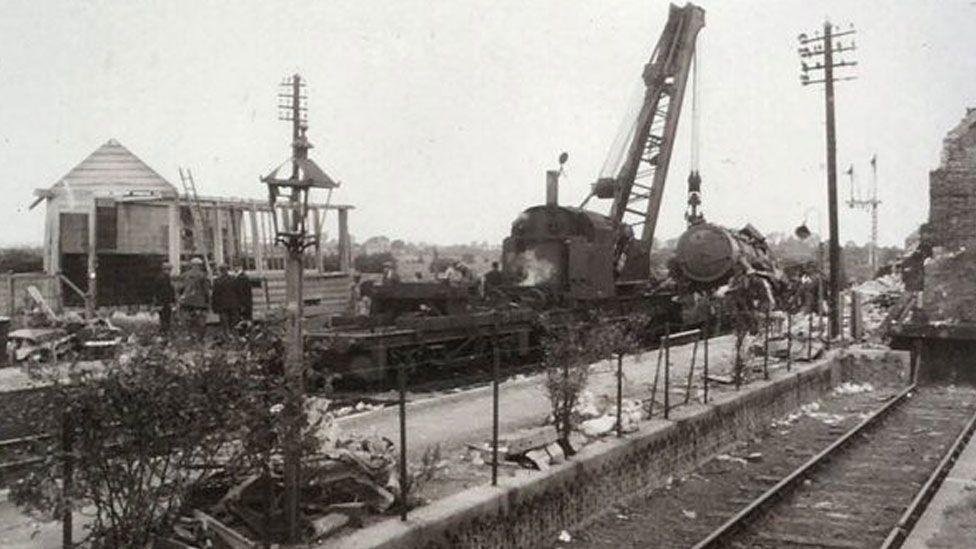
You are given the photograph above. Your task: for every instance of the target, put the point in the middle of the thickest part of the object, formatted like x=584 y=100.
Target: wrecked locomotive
x=557 y=266
x=708 y=256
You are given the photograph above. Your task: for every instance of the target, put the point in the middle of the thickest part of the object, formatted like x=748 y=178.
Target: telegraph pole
x=292 y=218
x=825 y=47
x=291 y=231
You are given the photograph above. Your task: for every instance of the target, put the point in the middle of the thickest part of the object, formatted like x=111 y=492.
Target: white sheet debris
x=849 y=388
x=598 y=426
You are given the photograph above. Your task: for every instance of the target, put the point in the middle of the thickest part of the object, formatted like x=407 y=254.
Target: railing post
x=810 y=336
x=789 y=340
x=402 y=385
x=766 y=345
x=620 y=393
x=738 y=366
x=667 y=370
x=496 y=363
x=68 y=471
x=691 y=370
x=705 y=364
x=657 y=372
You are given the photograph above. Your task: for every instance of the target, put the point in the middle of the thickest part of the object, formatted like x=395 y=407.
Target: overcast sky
x=440 y=118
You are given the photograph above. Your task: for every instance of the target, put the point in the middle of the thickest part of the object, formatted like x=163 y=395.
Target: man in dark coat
x=226 y=299
x=164 y=297
x=493 y=279
x=195 y=297
x=244 y=294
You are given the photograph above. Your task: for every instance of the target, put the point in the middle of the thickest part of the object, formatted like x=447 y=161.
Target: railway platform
x=949 y=521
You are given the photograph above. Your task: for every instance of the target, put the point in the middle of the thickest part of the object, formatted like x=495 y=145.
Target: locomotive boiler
x=708 y=255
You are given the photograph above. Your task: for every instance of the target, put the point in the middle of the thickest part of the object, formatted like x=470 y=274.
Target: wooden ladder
x=199 y=228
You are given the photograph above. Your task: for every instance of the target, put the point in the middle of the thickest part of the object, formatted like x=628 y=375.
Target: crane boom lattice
x=638 y=186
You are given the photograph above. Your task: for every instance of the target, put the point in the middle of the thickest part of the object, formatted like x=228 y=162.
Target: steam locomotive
x=708 y=255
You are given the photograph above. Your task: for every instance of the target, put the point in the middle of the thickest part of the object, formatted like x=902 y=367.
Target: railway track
x=865 y=489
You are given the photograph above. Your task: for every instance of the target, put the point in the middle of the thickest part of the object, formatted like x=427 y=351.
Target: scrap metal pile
x=341 y=486
x=49 y=336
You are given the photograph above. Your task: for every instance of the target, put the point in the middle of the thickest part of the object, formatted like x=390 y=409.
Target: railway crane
x=563 y=262
x=578 y=255
x=637 y=187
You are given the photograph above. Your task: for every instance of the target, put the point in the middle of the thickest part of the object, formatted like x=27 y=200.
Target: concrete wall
x=530 y=511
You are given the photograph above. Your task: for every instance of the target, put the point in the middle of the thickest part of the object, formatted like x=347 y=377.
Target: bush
x=158 y=424
x=568 y=352
x=567 y=363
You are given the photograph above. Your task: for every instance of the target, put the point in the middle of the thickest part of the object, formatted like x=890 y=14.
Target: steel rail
x=719 y=537
x=914 y=511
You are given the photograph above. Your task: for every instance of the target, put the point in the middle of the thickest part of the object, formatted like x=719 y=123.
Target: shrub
x=157 y=424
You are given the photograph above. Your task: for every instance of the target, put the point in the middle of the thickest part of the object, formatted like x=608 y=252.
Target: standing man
x=164 y=297
x=492 y=279
x=390 y=274
x=195 y=297
x=244 y=294
x=226 y=300
x=354 y=295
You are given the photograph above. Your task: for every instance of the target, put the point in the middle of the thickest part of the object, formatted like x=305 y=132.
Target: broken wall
x=952 y=188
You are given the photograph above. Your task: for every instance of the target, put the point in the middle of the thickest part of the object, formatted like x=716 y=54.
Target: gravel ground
x=690 y=507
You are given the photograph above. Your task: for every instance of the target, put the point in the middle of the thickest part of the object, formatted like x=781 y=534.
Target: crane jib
x=649 y=150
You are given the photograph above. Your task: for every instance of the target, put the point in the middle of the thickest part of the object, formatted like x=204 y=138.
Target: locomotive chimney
x=552 y=188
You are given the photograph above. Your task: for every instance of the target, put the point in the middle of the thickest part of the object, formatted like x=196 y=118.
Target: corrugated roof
x=112 y=168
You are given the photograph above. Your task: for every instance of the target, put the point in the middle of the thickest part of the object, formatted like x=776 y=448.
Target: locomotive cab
x=567 y=252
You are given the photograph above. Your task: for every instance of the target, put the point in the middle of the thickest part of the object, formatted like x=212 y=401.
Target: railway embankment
x=531 y=510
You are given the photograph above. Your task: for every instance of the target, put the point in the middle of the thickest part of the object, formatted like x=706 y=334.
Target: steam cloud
x=535 y=270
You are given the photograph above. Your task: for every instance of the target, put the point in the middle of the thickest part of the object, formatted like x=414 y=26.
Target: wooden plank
x=218 y=230
x=319 y=258
x=345 y=253
x=175 y=237
x=92 y=264
x=256 y=241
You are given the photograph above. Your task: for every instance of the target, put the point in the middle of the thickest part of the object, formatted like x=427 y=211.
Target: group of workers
x=228 y=296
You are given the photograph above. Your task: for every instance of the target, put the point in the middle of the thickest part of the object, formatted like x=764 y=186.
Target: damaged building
x=941 y=327
x=115 y=221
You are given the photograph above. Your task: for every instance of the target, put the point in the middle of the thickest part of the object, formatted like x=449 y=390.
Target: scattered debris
x=727 y=457
x=221 y=535
x=849 y=388
x=329 y=524
x=598 y=426
x=521 y=442
x=539 y=459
